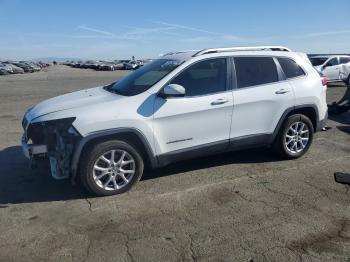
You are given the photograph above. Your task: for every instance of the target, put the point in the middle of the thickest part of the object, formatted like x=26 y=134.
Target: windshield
x=142 y=79
x=318 y=61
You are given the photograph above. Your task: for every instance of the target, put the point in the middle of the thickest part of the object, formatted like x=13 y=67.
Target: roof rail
x=179 y=52
x=247 y=48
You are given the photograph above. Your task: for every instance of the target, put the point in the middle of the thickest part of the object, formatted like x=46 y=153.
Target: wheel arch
x=308 y=110
x=129 y=135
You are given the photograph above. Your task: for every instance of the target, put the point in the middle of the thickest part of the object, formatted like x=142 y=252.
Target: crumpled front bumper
x=30 y=150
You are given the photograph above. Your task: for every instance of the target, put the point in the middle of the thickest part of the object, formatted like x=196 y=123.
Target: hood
x=77 y=99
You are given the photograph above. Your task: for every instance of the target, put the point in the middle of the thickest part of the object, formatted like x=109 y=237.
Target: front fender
x=104 y=133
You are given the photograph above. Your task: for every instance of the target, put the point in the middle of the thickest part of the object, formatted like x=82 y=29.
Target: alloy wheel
x=114 y=169
x=297 y=137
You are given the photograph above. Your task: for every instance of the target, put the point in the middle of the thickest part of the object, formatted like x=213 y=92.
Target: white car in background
x=335 y=68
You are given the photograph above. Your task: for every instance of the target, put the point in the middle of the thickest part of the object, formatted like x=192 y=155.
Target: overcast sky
x=146 y=29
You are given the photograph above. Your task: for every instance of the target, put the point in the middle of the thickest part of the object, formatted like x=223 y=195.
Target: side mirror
x=172 y=90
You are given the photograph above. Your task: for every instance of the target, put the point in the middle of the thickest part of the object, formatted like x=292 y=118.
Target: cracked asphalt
x=242 y=206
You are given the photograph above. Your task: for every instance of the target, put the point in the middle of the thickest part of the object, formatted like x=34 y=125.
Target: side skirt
x=239 y=143
x=192 y=152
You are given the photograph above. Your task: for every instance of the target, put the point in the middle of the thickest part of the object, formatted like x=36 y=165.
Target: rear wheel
x=295 y=137
x=111 y=167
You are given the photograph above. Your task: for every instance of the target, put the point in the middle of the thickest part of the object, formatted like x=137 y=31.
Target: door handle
x=219 y=101
x=281 y=91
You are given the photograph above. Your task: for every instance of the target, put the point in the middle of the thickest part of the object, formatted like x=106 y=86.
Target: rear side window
x=344 y=60
x=252 y=71
x=290 y=68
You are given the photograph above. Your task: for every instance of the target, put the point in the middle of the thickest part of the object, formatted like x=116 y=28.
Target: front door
x=332 y=69
x=202 y=118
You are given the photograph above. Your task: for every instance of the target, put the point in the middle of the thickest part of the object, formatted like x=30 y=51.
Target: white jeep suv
x=183 y=105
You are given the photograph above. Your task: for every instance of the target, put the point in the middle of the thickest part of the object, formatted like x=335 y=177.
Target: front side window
x=332 y=62
x=317 y=61
x=144 y=78
x=253 y=71
x=203 y=78
x=290 y=67
x=344 y=60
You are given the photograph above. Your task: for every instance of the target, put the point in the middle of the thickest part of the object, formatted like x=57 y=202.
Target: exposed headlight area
x=59 y=137
x=45 y=132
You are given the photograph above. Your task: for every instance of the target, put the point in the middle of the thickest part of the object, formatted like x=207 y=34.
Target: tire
x=286 y=139
x=96 y=171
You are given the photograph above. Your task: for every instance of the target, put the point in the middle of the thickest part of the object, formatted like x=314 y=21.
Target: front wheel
x=110 y=168
x=295 y=137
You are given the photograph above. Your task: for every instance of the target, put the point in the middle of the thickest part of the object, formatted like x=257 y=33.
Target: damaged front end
x=54 y=140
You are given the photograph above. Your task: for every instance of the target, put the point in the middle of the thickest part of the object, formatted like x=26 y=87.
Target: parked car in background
x=43 y=65
x=35 y=67
x=26 y=67
x=20 y=67
x=118 y=65
x=91 y=64
x=5 y=67
x=140 y=63
x=3 y=71
x=106 y=66
x=16 y=69
x=335 y=67
x=131 y=65
x=124 y=61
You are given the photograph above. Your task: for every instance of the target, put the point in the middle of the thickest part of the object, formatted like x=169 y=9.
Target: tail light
x=324 y=80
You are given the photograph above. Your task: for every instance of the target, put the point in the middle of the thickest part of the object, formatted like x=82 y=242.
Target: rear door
x=260 y=98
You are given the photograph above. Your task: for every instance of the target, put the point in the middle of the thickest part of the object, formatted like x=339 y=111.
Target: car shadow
x=21 y=184
x=251 y=156
x=343 y=119
x=345 y=129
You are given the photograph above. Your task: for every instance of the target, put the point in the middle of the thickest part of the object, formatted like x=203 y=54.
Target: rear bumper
x=29 y=150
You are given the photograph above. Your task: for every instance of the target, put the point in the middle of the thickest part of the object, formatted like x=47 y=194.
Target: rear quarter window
x=290 y=68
